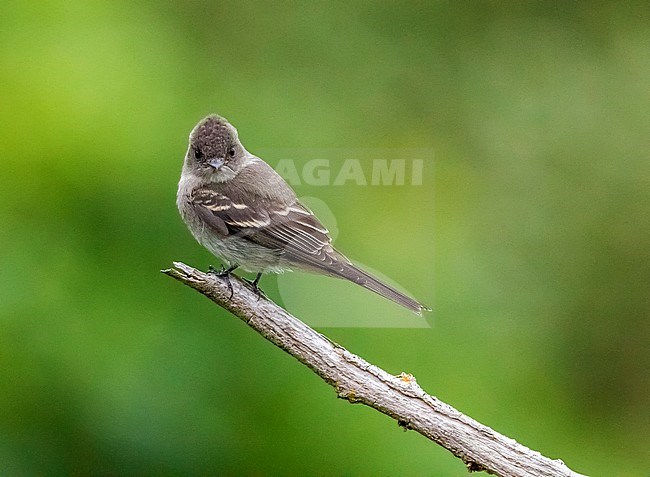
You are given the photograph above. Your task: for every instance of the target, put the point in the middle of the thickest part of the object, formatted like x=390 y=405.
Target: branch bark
x=358 y=381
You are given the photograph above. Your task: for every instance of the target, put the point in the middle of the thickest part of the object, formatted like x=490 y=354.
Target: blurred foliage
x=534 y=225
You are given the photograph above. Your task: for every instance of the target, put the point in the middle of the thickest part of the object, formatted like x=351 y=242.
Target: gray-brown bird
x=243 y=212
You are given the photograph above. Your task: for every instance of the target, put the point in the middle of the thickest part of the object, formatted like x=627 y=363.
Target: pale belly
x=235 y=250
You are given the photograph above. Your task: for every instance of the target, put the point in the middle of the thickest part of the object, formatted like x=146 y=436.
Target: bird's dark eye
x=231 y=152
x=198 y=155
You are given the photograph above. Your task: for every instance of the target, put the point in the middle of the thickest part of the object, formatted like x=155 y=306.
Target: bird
x=241 y=210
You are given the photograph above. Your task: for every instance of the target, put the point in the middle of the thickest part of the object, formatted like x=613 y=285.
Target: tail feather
x=354 y=274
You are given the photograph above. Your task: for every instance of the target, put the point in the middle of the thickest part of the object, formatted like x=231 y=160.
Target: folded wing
x=291 y=230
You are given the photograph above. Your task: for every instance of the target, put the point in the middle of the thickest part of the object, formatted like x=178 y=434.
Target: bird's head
x=215 y=152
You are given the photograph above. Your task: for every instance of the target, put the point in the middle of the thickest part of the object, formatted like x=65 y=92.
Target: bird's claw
x=254 y=286
x=224 y=273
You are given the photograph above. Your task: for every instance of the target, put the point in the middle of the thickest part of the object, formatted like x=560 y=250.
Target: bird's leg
x=254 y=283
x=224 y=273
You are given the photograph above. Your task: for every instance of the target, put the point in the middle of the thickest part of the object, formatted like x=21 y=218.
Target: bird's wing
x=292 y=230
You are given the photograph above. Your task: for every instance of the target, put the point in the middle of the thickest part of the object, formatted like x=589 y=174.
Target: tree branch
x=358 y=381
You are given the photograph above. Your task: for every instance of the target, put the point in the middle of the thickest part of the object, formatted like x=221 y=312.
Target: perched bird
x=243 y=212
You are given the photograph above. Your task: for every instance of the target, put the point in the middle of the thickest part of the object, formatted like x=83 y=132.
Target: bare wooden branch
x=358 y=381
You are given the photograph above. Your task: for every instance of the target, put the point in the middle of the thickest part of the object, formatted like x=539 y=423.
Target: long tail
x=356 y=275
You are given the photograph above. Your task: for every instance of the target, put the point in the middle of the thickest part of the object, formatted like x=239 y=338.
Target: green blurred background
x=529 y=235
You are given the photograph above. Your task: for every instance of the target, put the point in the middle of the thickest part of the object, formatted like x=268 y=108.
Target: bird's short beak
x=217 y=162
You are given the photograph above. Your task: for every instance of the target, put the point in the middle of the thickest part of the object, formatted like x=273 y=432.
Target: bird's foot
x=221 y=272
x=255 y=287
x=224 y=273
